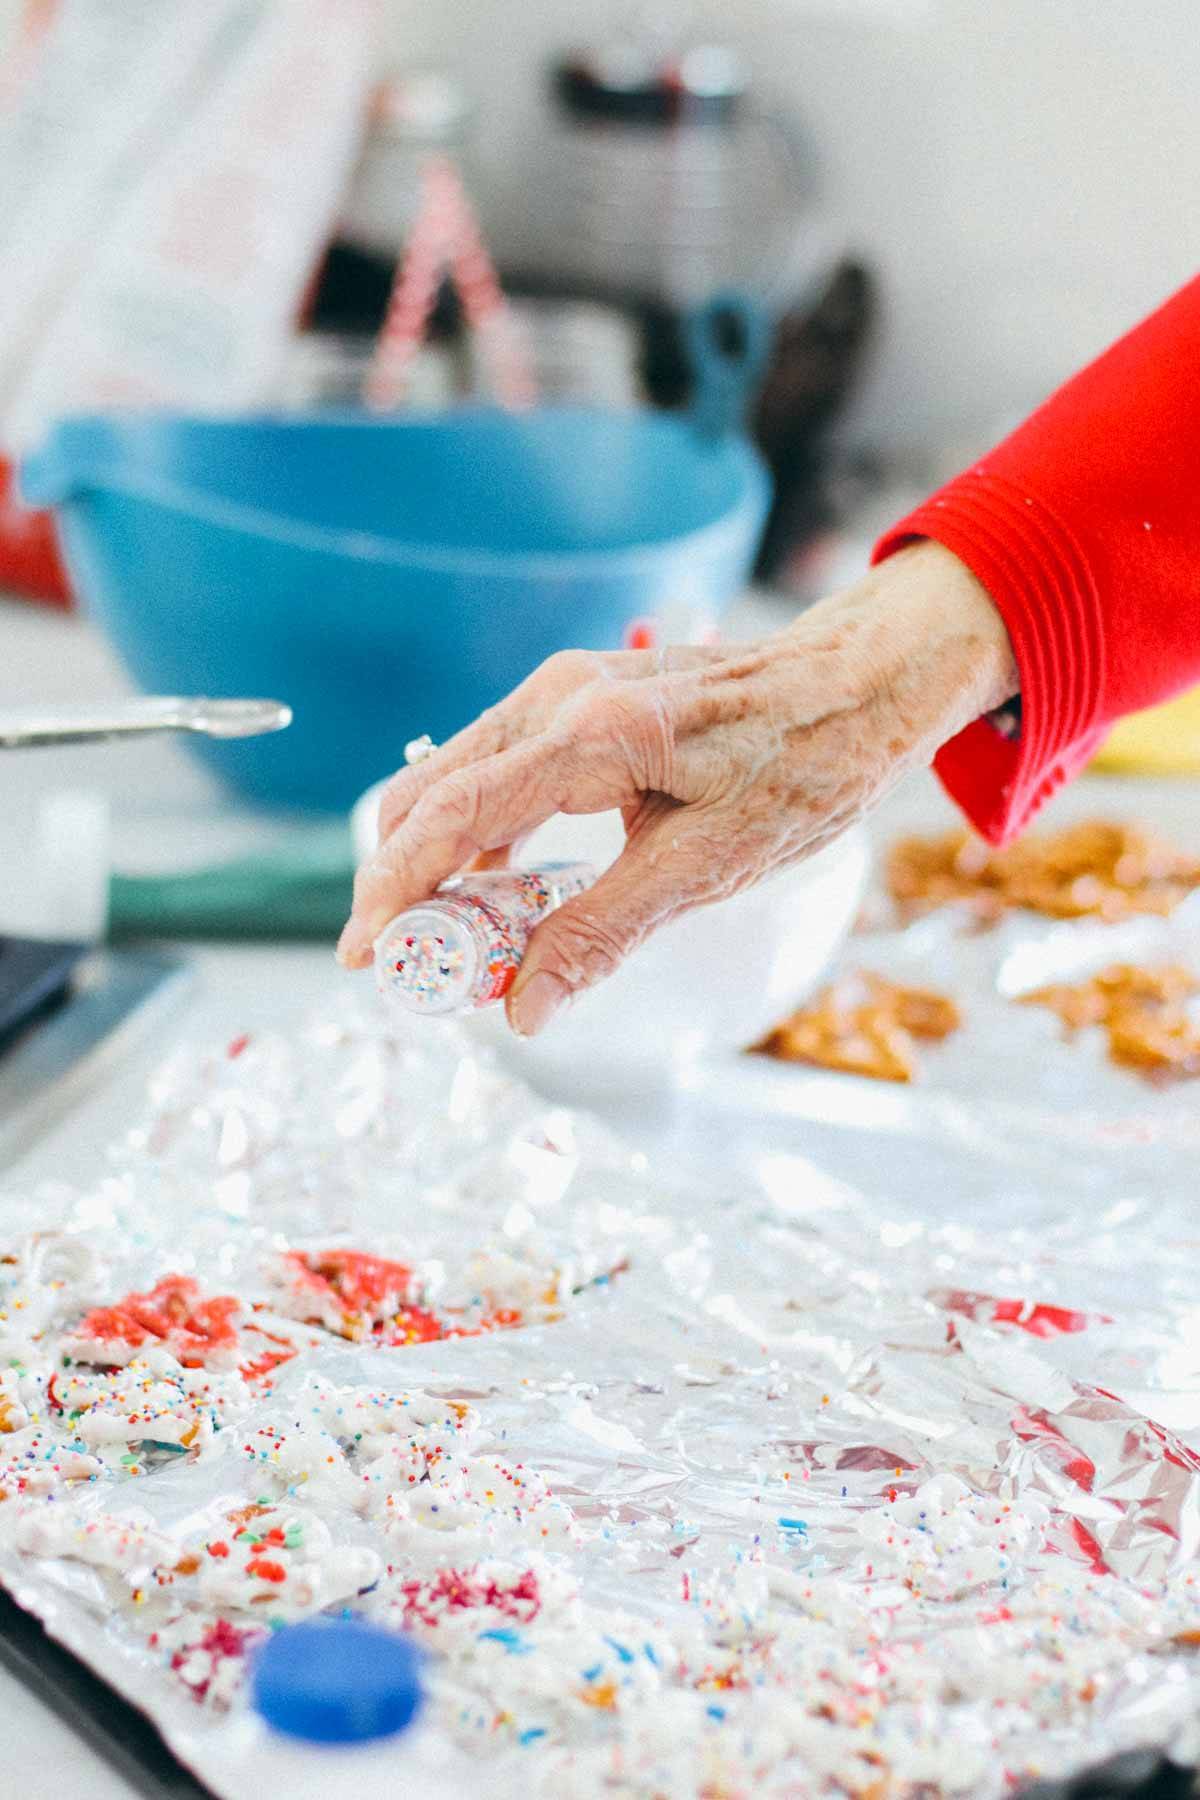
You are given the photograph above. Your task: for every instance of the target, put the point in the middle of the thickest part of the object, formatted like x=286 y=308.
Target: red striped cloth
x=446 y=239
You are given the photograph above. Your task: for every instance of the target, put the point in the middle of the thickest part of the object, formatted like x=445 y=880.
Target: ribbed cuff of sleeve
x=1040 y=583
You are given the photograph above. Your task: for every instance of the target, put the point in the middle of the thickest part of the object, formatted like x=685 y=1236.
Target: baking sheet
x=119 y=1733
x=880 y=1452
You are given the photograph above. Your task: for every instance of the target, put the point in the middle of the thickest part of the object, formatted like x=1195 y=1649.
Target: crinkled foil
x=870 y=1415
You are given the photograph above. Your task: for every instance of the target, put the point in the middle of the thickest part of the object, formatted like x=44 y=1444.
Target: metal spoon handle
x=133 y=718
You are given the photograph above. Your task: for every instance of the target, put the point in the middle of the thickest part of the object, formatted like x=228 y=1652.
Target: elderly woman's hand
x=727 y=763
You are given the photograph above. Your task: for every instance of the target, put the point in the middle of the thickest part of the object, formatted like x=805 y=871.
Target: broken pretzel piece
x=863 y=1025
x=1097 y=869
x=1165 y=1042
x=1144 y=1012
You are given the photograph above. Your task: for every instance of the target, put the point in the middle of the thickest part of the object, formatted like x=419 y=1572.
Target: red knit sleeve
x=1084 y=527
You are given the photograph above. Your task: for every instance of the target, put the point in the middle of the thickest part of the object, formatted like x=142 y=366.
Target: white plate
x=713 y=981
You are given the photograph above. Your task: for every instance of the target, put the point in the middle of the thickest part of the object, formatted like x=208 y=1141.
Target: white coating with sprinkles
x=783 y=1488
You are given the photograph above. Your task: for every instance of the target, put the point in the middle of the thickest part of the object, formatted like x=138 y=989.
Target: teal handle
x=727 y=341
x=301 y=891
x=75 y=453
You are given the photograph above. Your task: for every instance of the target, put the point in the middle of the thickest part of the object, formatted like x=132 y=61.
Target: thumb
x=589 y=937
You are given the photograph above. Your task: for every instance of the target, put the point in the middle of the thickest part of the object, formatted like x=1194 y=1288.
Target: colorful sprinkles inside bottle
x=462 y=949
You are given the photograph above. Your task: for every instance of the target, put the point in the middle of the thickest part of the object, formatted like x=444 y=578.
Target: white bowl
x=713 y=981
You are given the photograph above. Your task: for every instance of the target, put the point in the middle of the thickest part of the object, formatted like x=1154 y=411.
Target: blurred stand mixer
x=662 y=179
x=669 y=178
x=666 y=177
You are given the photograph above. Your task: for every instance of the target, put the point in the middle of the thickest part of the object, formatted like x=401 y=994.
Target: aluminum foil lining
x=839 y=1439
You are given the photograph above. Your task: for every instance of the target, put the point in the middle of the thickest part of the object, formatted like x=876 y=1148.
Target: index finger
x=521 y=715
x=487 y=735
x=477 y=809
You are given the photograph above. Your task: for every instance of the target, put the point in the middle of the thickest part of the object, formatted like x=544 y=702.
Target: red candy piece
x=283 y=1350
x=1090 y=1547
x=369 y=1299
x=505 y=1318
x=358 y=1283
x=172 y=1314
x=222 y=1642
x=1033 y=1426
x=1182 y=1455
x=201 y=1333
x=1042 y=1321
x=412 y=1325
x=1038 y=1319
x=265 y=1570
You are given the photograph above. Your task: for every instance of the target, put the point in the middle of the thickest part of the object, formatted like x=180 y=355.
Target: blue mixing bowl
x=387 y=577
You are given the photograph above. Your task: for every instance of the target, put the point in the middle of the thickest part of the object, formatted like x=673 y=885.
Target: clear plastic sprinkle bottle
x=462 y=949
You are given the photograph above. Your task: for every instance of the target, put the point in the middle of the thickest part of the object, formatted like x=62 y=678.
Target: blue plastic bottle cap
x=336 y=1681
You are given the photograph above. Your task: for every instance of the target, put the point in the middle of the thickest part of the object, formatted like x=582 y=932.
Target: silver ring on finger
x=419 y=749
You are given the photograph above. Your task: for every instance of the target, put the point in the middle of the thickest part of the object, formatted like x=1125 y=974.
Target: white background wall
x=1024 y=173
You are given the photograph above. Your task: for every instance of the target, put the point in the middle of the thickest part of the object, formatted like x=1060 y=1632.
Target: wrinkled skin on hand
x=727 y=764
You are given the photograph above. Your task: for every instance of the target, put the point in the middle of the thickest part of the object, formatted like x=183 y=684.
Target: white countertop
x=168 y=811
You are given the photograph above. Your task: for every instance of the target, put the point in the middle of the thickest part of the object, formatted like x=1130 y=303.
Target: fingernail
x=354 y=945
x=536 y=1003
x=357 y=942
